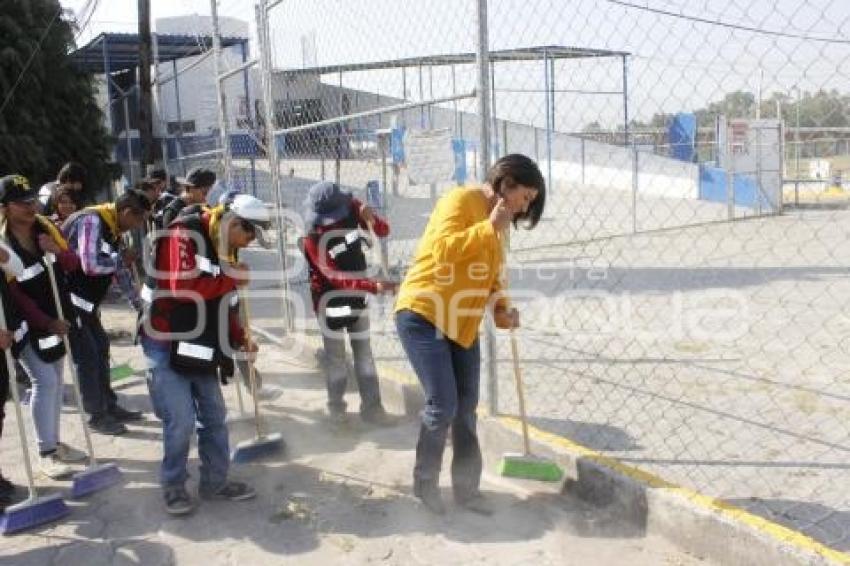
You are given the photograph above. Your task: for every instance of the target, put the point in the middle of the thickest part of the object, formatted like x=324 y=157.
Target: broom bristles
x=94 y=479
x=32 y=513
x=529 y=467
x=257 y=448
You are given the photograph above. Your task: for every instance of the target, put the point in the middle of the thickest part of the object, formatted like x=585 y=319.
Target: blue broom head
x=257 y=448
x=95 y=479
x=32 y=513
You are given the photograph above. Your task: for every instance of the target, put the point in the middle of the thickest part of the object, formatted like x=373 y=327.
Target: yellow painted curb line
x=775 y=530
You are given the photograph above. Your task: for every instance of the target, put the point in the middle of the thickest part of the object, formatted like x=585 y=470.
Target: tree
x=49 y=114
x=824 y=108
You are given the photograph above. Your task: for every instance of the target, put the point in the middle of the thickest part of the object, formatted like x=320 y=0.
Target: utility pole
x=145 y=98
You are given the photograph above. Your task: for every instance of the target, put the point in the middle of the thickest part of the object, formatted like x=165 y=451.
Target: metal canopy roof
x=519 y=54
x=120 y=51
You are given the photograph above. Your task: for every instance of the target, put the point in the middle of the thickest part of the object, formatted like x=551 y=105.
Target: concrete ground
x=340 y=497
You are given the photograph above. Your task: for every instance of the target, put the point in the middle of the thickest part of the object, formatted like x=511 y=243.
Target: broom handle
x=239 y=395
x=520 y=394
x=246 y=317
x=520 y=390
x=383 y=257
x=74 y=377
x=384 y=263
x=22 y=430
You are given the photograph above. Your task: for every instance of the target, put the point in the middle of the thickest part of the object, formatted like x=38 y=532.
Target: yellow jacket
x=457 y=266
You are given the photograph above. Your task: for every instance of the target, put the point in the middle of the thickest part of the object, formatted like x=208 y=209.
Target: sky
x=676 y=63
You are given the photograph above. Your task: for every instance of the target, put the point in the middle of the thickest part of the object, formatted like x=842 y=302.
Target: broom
x=263 y=444
x=95 y=477
x=526 y=465
x=34 y=510
x=242 y=416
x=125 y=370
x=120 y=371
x=379 y=248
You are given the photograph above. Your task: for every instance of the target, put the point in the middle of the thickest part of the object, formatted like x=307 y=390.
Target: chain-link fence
x=683 y=298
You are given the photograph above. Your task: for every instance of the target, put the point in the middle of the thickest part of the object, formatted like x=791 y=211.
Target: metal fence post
x=635 y=172
x=158 y=102
x=483 y=95
x=583 y=157
x=271 y=151
x=222 y=102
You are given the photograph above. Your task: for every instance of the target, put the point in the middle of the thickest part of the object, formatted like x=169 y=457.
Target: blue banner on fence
x=682 y=135
x=745 y=191
x=397 y=145
x=459 y=149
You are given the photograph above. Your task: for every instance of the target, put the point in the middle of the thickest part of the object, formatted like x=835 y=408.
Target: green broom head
x=530 y=468
x=119 y=372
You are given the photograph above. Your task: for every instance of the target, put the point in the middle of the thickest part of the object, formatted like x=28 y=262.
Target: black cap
x=16 y=188
x=198 y=177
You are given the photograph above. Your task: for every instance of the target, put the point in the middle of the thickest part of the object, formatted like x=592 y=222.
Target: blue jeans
x=90 y=347
x=450 y=376
x=46 y=401
x=179 y=401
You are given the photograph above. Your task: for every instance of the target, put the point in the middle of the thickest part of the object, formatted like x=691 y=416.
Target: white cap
x=254 y=211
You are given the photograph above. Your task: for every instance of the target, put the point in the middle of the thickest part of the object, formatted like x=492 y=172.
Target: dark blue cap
x=326 y=204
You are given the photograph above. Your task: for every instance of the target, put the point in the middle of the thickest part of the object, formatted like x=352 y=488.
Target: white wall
x=197 y=86
x=605 y=166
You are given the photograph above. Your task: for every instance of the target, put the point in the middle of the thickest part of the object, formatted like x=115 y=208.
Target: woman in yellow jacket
x=456 y=275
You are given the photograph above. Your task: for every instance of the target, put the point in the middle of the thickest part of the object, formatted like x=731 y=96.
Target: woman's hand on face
x=506 y=319
x=501 y=215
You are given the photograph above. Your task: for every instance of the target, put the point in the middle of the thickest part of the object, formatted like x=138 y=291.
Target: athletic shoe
x=177 y=501
x=68 y=454
x=53 y=468
x=231 y=491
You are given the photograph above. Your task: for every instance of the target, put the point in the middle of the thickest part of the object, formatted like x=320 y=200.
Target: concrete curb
x=701 y=525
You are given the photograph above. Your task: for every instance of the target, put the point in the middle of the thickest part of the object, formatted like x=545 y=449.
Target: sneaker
x=106 y=424
x=177 y=501
x=68 y=454
x=429 y=495
x=378 y=417
x=476 y=503
x=121 y=414
x=338 y=418
x=231 y=490
x=53 y=468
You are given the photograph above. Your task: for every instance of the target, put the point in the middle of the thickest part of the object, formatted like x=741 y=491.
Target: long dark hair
x=517 y=169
